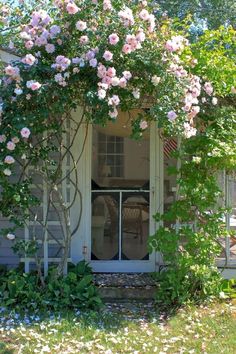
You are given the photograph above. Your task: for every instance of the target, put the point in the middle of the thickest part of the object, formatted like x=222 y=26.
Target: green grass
x=135 y=329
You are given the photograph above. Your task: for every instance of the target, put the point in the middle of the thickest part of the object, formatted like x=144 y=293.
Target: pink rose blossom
x=33 y=85
x=113 y=39
x=189 y=130
x=127 y=75
x=144 y=15
x=111 y=72
x=126 y=49
x=72 y=8
x=84 y=39
x=114 y=113
x=123 y=82
x=81 y=25
x=115 y=81
x=55 y=30
x=11 y=146
x=3 y=138
x=29 y=44
x=9 y=160
x=25 y=132
x=208 y=88
x=171 y=115
x=114 y=100
x=107 y=5
x=101 y=94
x=93 y=63
x=107 y=55
x=12 y=71
x=29 y=59
x=50 y=48
x=143 y=124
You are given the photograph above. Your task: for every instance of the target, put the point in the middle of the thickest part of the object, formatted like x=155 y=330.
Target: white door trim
x=156 y=203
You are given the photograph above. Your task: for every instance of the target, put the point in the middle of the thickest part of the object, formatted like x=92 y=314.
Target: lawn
x=123 y=328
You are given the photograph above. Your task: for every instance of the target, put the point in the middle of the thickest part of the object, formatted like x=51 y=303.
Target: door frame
x=156 y=204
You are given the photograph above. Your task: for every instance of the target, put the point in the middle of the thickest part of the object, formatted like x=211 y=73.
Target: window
x=110 y=156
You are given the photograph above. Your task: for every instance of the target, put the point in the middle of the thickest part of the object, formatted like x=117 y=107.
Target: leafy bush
x=19 y=290
x=229 y=288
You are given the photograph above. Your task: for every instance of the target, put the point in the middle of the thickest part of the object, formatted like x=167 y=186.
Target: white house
x=122 y=183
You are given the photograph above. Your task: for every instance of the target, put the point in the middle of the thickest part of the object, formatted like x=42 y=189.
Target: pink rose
x=84 y=39
x=11 y=146
x=143 y=124
x=25 y=132
x=171 y=116
x=29 y=59
x=111 y=72
x=107 y=55
x=33 y=85
x=114 y=100
x=144 y=15
x=81 y=25
x=114 y=113
x=123 y=82
x=50 y=48
x=9 y=160
x=29 y=44
x=12 y=70
x=113 y=39
x=72 y=8
x=126 y=49
x=93 y=62
x=127 y=75
x=115 y=81
x=3 y=138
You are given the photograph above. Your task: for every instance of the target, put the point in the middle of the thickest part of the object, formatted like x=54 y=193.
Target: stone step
x=125 y=286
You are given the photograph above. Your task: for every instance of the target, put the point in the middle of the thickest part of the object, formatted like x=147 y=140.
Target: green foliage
x=229 y=288
x=21 y=291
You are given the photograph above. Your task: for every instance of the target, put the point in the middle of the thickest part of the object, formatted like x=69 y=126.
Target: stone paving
x=124 y=280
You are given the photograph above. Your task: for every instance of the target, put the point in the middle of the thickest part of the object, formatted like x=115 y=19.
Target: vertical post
x=120 y=223
x=227 y=216
x=45 y=240
x=26 y=257
x=177 y=225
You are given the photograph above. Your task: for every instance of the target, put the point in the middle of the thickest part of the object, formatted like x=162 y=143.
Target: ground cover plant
x=24 y=292
x=131 y=328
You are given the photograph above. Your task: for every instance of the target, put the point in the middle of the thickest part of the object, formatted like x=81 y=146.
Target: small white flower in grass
x=18 y=91
x=25 y=132
x=9 y=160
x=11 y=236
x=7 y=172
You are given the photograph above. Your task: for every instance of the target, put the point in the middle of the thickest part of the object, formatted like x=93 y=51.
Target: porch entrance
x=122 y=202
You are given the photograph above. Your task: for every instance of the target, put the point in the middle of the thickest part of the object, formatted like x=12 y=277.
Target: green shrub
x=19 y=290
x=229 y=288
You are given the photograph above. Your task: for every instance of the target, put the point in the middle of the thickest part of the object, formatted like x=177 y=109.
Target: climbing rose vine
x=104 y=56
